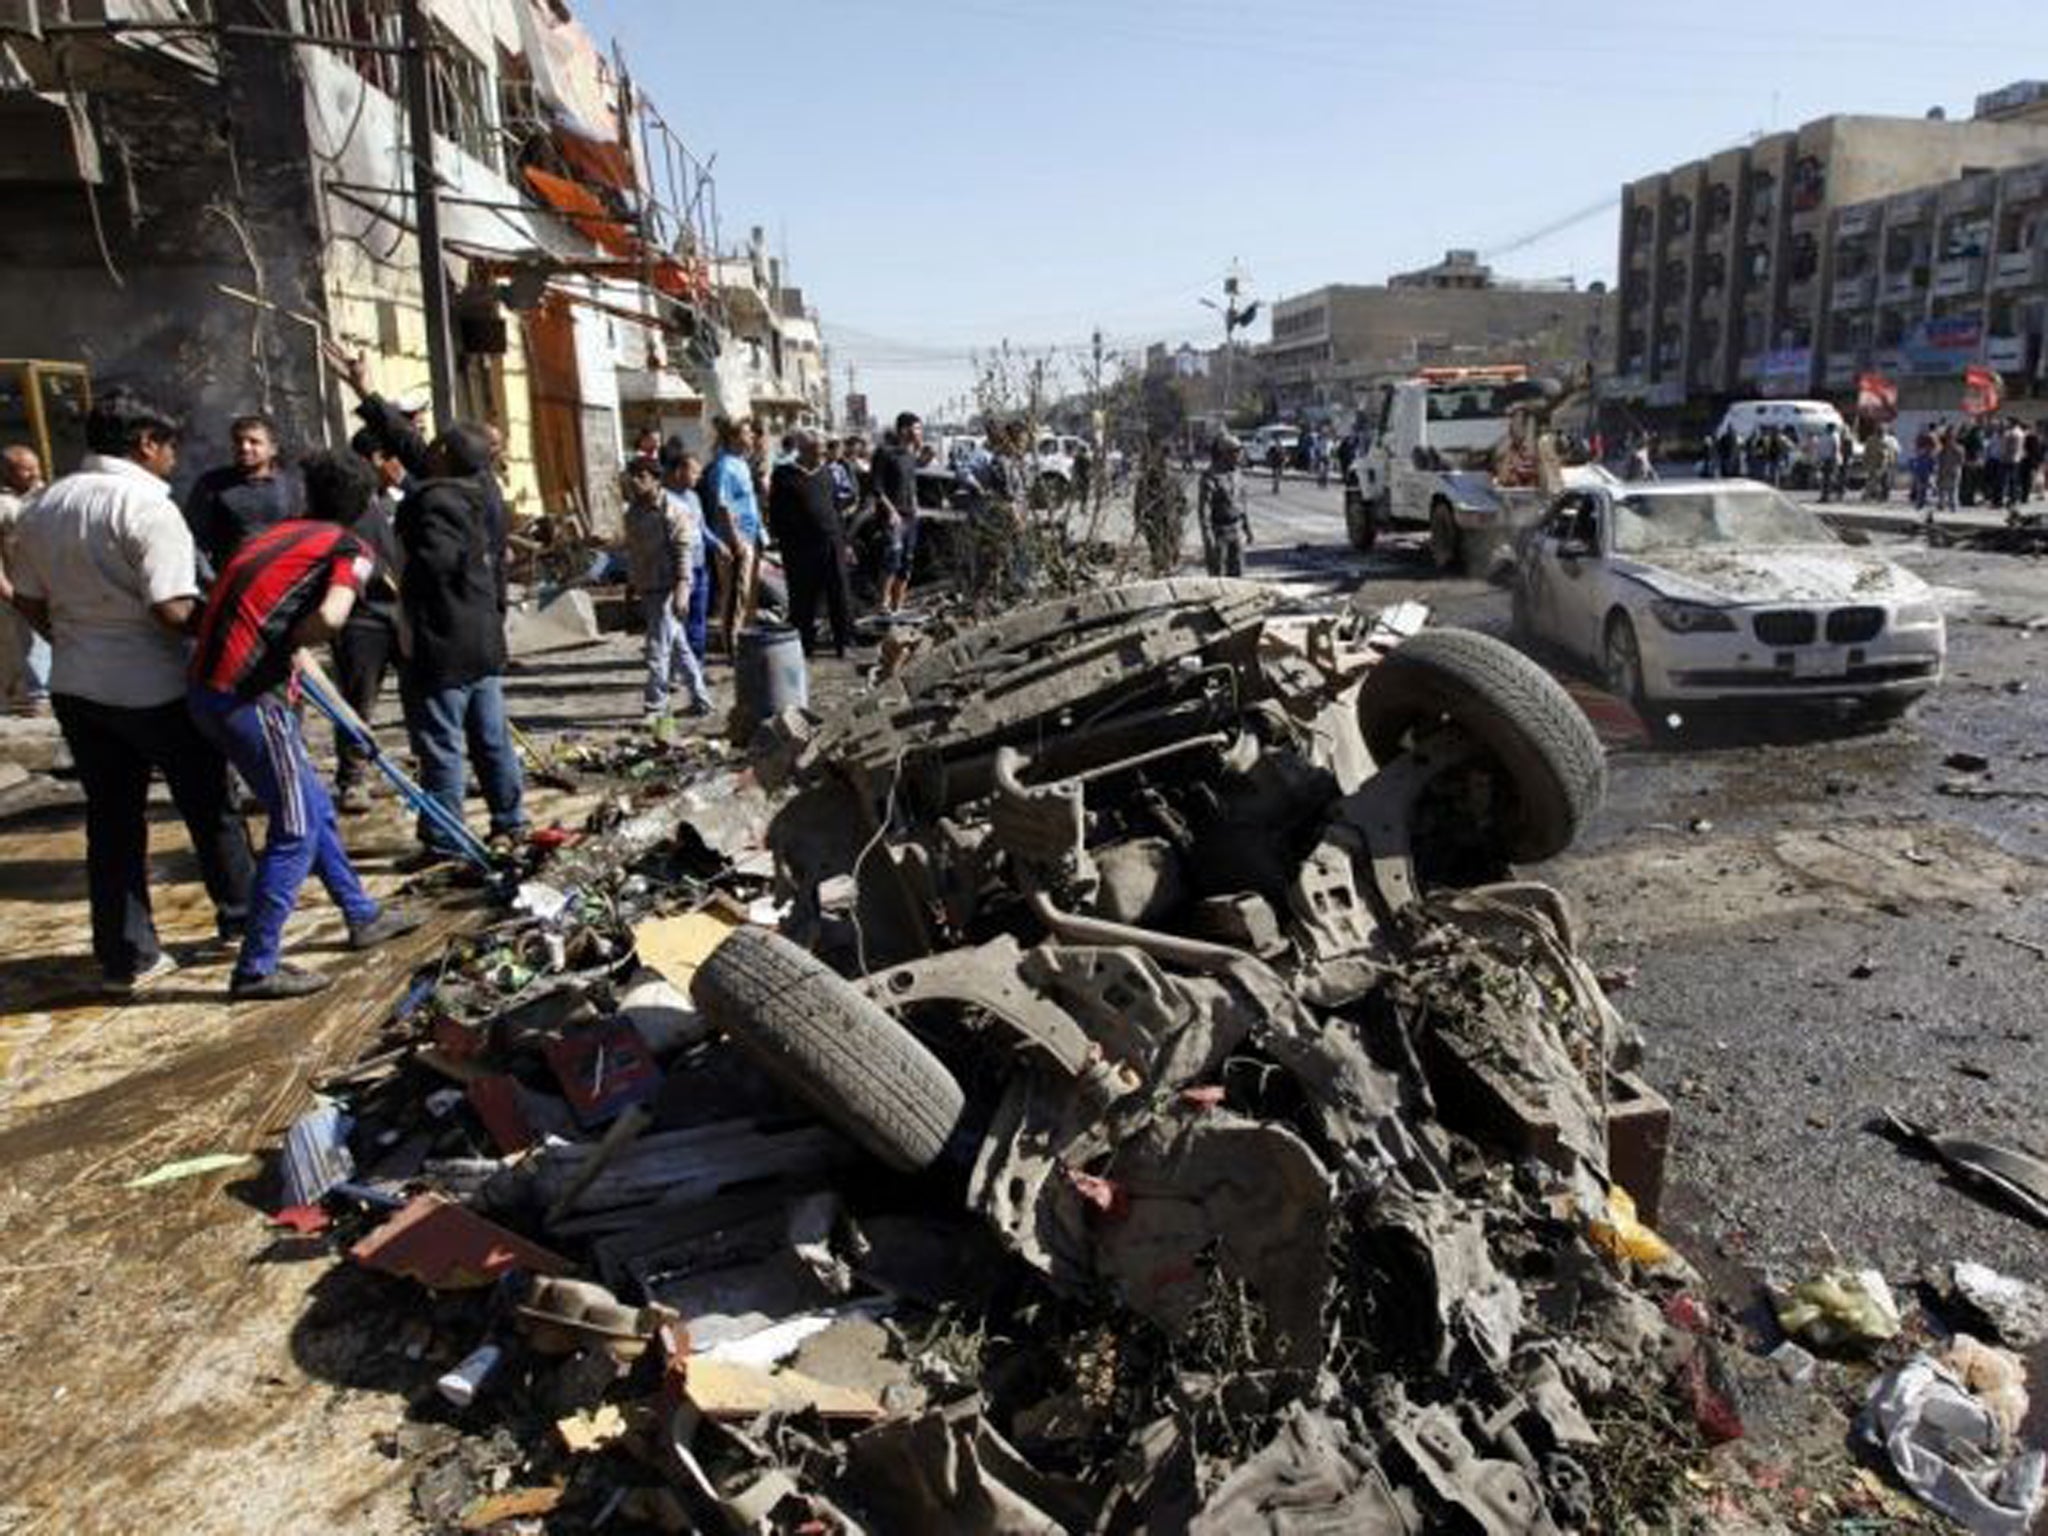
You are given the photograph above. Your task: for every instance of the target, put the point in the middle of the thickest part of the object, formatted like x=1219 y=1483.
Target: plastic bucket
x=769 y=676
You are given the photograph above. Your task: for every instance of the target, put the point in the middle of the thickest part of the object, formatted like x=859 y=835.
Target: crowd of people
x=172 y=640
x=1997 y=462
x=1956 y=465
x=698 y=538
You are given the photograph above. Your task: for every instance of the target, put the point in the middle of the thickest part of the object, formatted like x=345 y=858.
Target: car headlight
x=1690 y=618
x=1917 y=616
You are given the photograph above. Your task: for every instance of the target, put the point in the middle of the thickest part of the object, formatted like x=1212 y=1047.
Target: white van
x=1803 y=418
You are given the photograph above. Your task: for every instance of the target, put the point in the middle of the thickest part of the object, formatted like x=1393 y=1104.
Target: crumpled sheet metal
x=2018 y=1178
x=1039 y=1128
x=1496 y=1497
x=1171 y=1030
x=1441 y=1243
x=1314 y=1476
x=1946 y=1445
x=1496 y=971
x=1200 y=1187
x=948 y=1470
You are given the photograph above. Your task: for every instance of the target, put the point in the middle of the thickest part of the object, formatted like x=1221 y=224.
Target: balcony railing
x=1910 y=208
x=1854 y=292
x=1964 y=274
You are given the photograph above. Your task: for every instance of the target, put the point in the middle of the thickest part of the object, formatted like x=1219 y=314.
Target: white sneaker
x=126 y=986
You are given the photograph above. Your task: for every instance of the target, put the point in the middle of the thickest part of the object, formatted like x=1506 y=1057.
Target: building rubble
x=1113 y=1081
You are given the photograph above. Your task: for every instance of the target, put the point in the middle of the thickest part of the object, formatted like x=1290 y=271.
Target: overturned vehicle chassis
x=1177 y=938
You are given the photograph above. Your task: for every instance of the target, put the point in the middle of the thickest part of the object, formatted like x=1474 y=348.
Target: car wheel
x=1361 y=520
x=809 y=1029
x=1621 y=660
x=1443 y=535
x=1550 y=770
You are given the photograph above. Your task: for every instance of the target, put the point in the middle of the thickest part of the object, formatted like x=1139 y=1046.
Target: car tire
x=1621 y=664
x=816 y=1036
x=1550 y=761
x=1444 y=542
x=1361 y=520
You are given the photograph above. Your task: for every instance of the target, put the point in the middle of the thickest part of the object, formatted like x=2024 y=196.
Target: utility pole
x=426 y=206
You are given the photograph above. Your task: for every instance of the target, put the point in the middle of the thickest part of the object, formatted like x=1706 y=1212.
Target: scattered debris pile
x=1115 y=1084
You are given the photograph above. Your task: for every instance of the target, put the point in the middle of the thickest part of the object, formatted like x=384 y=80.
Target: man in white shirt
x=104 y=566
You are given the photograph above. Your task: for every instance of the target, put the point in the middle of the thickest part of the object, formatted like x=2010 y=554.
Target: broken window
x=362 y=22
x=1763 y=197
x=463 y=107
x=1809 y=183
x=1962 y=238
x=1805 y=258
x=1680 y=221
x=1720 y=205
x=1756 y=261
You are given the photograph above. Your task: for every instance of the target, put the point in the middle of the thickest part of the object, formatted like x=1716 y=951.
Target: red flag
x=1983 y=390
x=1877 y=397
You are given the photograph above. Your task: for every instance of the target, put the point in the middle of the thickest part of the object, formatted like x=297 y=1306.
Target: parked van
x=1803 y=418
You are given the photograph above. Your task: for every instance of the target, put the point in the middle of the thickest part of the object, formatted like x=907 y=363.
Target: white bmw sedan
x=1723 y=589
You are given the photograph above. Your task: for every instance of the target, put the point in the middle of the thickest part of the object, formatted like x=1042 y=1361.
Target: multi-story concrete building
x=1729 y=268
x=1926 y=282
x=1331 y=345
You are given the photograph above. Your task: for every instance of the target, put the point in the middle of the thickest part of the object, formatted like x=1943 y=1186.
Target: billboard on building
x=1787 y=371
x=1943 y=345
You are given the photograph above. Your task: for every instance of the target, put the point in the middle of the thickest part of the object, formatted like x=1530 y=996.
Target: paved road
x=1812 y=925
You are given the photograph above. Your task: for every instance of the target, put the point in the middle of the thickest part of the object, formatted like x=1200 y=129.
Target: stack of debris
x=1116 y=1084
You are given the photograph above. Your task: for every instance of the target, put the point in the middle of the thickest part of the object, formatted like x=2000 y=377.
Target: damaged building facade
x=201 y=196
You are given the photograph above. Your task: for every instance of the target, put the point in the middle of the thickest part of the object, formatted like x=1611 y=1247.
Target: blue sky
x=945 y=176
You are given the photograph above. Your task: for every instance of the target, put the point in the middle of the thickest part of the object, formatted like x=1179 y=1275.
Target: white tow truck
x=1456 y=450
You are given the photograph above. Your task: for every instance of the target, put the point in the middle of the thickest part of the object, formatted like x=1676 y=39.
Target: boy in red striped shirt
x=292 y=585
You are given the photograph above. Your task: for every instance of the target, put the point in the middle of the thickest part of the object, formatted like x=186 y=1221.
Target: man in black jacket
x=450 y=593
x=806 y=525
x=242 y=497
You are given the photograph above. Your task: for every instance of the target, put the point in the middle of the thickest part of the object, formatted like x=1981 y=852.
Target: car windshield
x=1713 y=518
x=1468 y=402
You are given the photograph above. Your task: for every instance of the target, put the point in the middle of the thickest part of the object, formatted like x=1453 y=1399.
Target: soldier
x=1226 y=527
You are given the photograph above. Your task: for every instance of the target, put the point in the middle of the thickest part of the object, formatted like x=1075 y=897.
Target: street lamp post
x=1234 y=320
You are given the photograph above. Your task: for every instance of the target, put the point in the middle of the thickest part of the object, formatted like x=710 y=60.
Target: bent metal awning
x=585 y=211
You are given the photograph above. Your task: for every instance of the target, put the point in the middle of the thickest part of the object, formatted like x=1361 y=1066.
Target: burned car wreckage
x=1172 y=935
x=1139 y=1026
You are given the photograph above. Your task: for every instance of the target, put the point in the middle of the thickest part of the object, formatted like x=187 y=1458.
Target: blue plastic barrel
x=769 y=676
